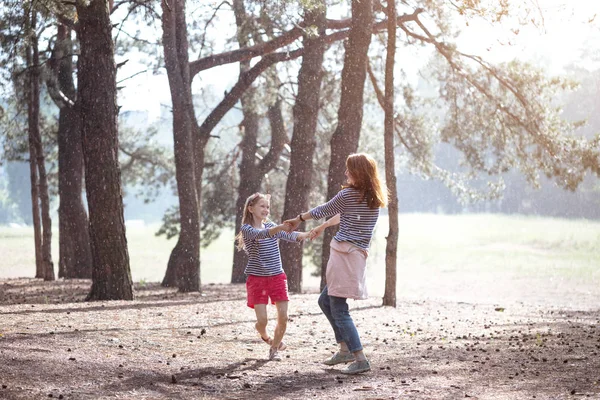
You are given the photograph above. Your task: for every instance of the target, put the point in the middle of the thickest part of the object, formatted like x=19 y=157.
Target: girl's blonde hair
x=248 y=218
x=363 y=169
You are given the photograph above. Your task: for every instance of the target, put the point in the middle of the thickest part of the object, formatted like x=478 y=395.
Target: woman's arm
x=314 y=233
x=332 y=207
x=293 y=223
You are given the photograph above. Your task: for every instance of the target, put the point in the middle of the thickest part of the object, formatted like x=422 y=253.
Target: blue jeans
x=336 y=311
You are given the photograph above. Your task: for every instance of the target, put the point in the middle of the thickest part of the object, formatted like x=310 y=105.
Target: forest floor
x=166 y=345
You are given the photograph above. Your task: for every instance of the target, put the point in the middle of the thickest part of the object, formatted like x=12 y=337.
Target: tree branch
x=240 y=87
x=247 y=53
x=278 y=139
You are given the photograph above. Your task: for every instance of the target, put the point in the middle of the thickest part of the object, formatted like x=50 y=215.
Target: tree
x=345 y=138
x=75 y=255
x=96 y=93
x=39 y=179
x=306 y=112
x=391 y=250
x=183 y=268
x=252 y=172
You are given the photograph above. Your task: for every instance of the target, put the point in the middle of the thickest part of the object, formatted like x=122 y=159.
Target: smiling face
x=260 y=209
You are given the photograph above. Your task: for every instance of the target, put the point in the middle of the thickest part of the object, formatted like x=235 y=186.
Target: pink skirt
x=346 y=273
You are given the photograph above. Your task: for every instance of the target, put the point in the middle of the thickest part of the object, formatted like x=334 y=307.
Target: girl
x=266 y=279
x=356 y=209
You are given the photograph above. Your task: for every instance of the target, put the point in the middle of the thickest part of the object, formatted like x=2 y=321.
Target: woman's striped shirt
x=357 y=220
x=264 y=258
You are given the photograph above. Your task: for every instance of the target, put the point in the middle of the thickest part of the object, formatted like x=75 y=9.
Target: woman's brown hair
x=363 y=169
x=247 y=218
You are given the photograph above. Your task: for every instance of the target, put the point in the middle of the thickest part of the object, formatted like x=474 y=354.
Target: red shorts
x=260 y=288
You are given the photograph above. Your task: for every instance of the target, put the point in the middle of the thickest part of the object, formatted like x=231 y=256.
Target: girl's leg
x=261 y=320
x=282 y=320
x=325 y=305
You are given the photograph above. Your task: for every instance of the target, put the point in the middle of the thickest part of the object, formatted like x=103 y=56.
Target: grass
x=439 y=256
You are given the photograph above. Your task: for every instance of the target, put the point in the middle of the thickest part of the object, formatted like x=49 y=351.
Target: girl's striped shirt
x=357 y=220
x=264 y=258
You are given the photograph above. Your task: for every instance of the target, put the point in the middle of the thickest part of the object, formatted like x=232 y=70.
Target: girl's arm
x=293 y=236
x=316 y=232
x=287 y=236
x=252 y=233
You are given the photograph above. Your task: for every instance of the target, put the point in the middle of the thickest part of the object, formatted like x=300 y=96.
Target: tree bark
x=46 y=266
x=391 y=249
x=345 y=138
x=32 y=117
x=75 y=254
x=183 y=269
x=97 y=90
x=251 y=172
x=306 y=111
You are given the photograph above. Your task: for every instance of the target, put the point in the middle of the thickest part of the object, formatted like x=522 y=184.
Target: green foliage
x=501 y=117
x=146 y=166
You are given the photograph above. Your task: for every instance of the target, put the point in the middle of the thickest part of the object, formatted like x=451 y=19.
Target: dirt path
x=170 y=346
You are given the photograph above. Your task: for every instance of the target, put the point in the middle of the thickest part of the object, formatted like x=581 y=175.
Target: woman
x=356 y=209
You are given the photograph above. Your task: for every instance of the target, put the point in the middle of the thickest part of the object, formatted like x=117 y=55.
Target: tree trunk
x=252 y=173
x=391 y=249
x=97 y=90
x=345 y=138
x=249 y=183
x=47 y=264
x=75 y=255
x=43 y=240
x=306 y=111
x=33 y=175
x=183 y=269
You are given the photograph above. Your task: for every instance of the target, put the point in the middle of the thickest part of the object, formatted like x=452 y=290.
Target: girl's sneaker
x=274 y=355
x=269 y=341
x=339 y=358
x=357 y=367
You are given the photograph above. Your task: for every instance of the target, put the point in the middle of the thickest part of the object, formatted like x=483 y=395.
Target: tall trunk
x=97 y=90
x=306 y=111
x=43 y=236
x=75 y=254
x=47 y=264
x=251 y=172
x=249 y=183
x=35 y=210
x=183 y=269
x=391 y=250
x=345 y=138
x=33 y=173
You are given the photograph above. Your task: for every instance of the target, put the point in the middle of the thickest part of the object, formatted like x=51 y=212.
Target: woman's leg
x=325 y=305
x=345 y=325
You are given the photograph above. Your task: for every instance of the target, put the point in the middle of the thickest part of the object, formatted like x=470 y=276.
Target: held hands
x=291 y=224
x=302 y=236
x=316 y=232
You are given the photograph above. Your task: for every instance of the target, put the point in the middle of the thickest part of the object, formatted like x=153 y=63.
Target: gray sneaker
x=339 y=358
x=357 y=367
x=274 y=355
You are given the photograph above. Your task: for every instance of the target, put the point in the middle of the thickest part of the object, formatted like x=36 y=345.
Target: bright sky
x=568 y=27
